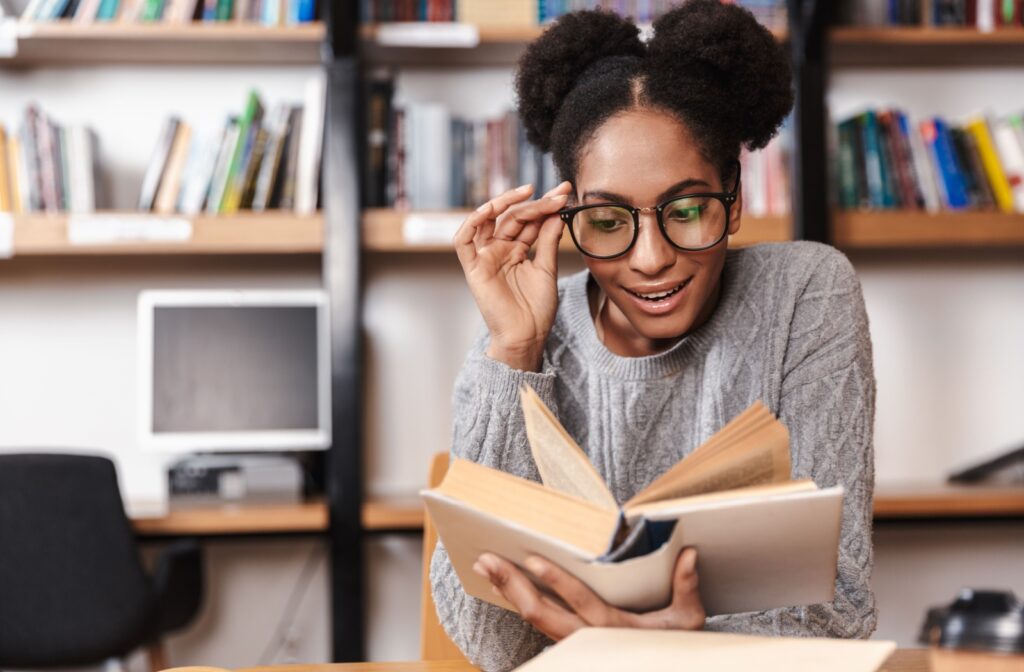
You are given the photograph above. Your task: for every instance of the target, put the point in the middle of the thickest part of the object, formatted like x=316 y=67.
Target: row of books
x=885 y=161
x=532 y=12
x=264 y=12
x=765 y=177
x=47 y=167
x=258 y=161
x=985 y=15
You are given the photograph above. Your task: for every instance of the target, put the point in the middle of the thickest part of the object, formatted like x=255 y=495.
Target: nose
x=652 y=254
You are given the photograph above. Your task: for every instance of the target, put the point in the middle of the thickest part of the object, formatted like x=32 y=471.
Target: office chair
x=434 y=641
x=73 y=590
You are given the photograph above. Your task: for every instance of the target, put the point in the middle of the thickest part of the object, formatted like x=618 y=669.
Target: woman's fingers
x=535 y=608
x=686 y=588
x=576 y=594
x=521 y=216
x=465 y=247
x=548 y=237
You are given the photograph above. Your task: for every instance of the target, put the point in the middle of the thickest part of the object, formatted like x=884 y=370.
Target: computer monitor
x=234 y=370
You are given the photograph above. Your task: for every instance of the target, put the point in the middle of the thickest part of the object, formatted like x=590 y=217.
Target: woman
x=667 y=335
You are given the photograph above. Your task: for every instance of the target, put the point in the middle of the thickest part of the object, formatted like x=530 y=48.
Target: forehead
x=639 y=154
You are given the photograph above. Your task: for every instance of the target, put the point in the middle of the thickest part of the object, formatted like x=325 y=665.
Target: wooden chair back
x=434 y=641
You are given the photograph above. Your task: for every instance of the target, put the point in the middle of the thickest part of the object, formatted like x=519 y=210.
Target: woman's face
x=642 y=158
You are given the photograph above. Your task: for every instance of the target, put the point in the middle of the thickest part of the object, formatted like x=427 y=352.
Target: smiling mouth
x=660 y=296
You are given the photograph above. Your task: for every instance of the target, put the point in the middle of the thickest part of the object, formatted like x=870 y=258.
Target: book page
x=614 y=649
x=549 y=512
x=667 y=507
x=753 y=449
x=561 y=462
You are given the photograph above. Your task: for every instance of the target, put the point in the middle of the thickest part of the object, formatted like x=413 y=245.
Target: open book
x=763 y=541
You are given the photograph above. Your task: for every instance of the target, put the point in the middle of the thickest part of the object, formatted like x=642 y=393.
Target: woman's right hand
x=516 y=295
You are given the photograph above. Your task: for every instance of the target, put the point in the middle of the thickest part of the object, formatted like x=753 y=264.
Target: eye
x=607 y=220
x=685 y=212
x=606 y=225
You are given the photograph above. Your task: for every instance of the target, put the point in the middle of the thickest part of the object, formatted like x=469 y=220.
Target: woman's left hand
x=686 y=612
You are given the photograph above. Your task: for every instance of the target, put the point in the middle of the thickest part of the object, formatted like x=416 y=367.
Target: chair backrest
x=434 y=641
x=73 y=589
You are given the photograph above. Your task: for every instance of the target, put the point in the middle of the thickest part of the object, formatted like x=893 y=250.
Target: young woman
x=668 y=334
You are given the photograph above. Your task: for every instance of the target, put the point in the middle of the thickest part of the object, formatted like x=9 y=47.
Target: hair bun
x=712 y=52
x=554 y=62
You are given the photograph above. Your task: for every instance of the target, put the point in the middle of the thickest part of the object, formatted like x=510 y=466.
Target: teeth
x=658 y=295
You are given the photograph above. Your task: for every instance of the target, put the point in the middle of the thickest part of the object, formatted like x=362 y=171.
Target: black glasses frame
x=727 y=199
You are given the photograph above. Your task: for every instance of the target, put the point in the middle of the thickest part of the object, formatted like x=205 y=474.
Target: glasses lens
x=694 y=222
x=603 y=231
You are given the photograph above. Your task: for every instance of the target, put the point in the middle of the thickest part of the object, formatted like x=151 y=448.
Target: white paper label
x=113 y=229
x=436 y=34
x=6 y=235
x=8 y=37
x=430 y=229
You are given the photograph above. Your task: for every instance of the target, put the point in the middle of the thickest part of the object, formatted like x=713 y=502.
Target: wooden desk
x=903 y=660
x=897 y=501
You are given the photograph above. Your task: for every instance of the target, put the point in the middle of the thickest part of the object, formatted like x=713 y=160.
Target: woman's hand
x=686 y=612
x=517 y=296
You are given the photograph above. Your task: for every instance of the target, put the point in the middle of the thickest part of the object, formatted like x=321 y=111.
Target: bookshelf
x=383 y=232
x=913 y=229
x=41 y=235
x=923 y=46
x=67 y=43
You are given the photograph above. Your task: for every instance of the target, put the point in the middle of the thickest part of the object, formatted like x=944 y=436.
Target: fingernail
x=535 y=565
x=479 y=569
x=524 y=187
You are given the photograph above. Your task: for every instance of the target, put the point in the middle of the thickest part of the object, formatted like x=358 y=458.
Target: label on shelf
x=6 y=235
x=107 y=229
x=435 y=34
x=431 y=228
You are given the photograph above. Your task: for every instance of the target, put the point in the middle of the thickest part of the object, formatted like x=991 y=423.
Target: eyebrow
x=619 y=198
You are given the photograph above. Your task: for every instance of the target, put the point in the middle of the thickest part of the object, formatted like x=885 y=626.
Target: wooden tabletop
x=903 y=660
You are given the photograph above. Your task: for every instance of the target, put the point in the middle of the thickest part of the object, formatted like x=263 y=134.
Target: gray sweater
x=790 y=329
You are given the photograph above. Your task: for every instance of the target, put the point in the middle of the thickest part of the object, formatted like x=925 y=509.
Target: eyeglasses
x=691 y=223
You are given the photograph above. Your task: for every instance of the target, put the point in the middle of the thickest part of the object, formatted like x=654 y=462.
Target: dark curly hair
x=710 y=65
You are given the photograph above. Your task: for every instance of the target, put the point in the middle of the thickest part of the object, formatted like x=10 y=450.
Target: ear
x=736 y=212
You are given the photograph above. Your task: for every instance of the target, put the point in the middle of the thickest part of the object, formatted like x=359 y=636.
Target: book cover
x=270 y=165
x=874 y=164
x=107 y=10
x=902 y=130
x=286 y=199
x=253 y=168
x=380 y=90
x=899 y=185
x=979 y=130
x=311 y=138
x=1008 y=134
x=232 y=191
x=923 y=167
x=616 y=649
x=157 y=163
x=763 y=541
x=936 y=135
x=222 y=10
x=978 y=194
x=170 y=185
x=218 y=183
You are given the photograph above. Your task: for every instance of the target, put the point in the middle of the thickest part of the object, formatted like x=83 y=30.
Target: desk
x=903 y=660
x=405 y=514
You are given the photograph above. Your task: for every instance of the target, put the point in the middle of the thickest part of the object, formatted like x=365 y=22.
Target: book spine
x=1010 y=147
x=979 y=130
x=287 y=197
x=16 y=171
x=847 y=166
x=307 y=174
x=974 y=180
x=5 y=178
x=904 y=133
x=218 y=183
x=170 y=189
x=232 y=195
x=952 y=175
x=873 y=159
x=896 y=187
x=222 y=10
x=157 y=164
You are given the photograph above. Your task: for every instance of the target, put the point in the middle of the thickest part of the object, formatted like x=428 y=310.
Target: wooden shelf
x=499 y=45
x=913 y=229
x=915 y=500
x=393 y=513
x=240 y=519
x=67 y=43
x=921 y=46
x=248 y=233
x=384 y=230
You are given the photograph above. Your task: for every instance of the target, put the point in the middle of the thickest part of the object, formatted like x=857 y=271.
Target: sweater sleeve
x=489 y=429
x=827 y=402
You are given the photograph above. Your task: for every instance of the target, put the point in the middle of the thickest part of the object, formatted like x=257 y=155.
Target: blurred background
x=320 y=156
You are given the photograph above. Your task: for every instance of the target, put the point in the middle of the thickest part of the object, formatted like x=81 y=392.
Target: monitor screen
x=234 y=370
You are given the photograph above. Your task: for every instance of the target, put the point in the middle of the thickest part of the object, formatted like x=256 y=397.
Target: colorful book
x=232 y=192
x=157 y=164
x=874 y=164
x=979 y=130
x=1008 y=135
x=936 y=135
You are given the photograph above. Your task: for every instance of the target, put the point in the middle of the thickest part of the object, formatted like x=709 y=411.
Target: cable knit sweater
x=790 y=329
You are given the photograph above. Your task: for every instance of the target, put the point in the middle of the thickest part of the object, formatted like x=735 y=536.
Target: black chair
x=73 y=590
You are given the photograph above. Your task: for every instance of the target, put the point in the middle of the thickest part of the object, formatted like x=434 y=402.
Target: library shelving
x=915 y=229
x=246 y=233
x=384 y=231
x=69 y=43
x=913 y=45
